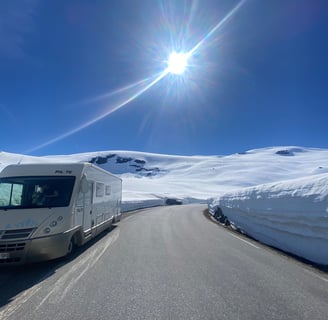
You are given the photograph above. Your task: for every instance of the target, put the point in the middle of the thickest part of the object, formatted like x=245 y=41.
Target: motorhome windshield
x=35 y=192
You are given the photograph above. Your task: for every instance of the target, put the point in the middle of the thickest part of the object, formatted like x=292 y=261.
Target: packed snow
x=277 y=195
x=290 y=215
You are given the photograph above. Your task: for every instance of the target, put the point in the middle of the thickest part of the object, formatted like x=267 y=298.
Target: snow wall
x=290 y=215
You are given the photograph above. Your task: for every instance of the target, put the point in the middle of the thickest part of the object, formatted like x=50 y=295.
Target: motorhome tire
x=71 y=247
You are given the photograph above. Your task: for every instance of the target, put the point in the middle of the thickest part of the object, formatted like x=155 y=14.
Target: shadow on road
x=16 y=279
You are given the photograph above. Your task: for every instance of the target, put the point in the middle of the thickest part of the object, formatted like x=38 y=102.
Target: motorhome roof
x=40 y=169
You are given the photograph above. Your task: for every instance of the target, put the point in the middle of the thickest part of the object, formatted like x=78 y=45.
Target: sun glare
x=177 y=63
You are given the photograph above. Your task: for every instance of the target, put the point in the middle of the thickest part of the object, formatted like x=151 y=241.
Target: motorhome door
x=87 y=210
x=83 y=209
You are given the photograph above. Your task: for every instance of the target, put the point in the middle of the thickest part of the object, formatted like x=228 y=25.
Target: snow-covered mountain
x=156 y=176
x=278 y=195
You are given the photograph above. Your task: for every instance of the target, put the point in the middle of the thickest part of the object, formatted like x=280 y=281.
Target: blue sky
x=78 y=76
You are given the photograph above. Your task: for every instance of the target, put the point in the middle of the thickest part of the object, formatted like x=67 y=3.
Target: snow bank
x=131 y=205
x=140 y=201
x=290 y=215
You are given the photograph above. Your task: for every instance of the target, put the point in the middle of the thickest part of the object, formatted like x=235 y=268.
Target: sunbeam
x=96 y=119
x=216 y=27
x=176 y=67
x=117 y=91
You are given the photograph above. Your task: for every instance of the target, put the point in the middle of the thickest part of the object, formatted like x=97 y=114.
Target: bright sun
x=177 y=63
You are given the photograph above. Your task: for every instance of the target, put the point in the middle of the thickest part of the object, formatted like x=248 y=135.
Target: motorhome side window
x=35 y=192
x=108 y=190
x=100 y=190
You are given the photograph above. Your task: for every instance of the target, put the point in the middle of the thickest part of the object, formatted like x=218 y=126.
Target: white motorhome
x=47 y=209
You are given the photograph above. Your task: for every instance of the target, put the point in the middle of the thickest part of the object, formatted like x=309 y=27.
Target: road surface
x=167 y=263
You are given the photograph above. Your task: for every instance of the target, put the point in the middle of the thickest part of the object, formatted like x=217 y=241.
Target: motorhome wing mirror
x=84 y=185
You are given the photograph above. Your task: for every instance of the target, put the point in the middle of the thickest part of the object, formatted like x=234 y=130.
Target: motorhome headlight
x=53 y=223
x=60 y=218
x=47 y=230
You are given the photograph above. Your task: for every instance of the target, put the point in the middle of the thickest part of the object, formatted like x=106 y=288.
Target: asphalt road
x=167 y=263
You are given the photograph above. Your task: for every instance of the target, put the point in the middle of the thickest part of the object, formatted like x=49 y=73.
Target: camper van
x=47 y=209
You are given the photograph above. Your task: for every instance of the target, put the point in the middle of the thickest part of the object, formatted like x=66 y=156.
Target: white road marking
x=251 y=244
x=70 y=278
x=316 y=275
x=19 y=301
x=65 y=282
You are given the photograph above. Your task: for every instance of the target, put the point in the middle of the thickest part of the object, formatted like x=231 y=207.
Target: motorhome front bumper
x=34 y=250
